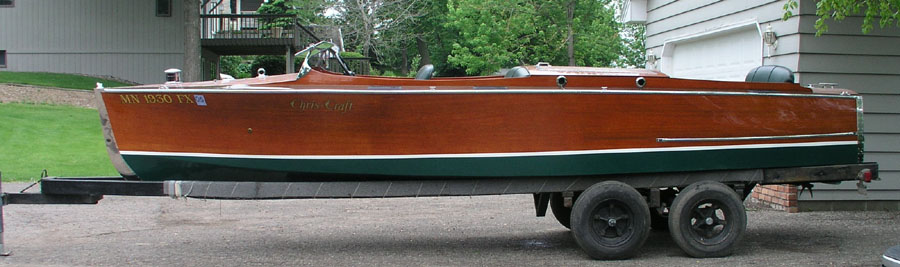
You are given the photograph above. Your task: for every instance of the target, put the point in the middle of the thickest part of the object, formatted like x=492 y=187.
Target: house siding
x=866 y=63
x=683 y=18
x=123 y=39
x=870 y=65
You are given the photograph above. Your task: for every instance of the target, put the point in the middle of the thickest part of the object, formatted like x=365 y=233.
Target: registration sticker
x=201 y=101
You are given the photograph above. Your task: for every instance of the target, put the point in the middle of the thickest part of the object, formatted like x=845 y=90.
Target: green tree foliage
x=433 y=39
x=888 y=12
x=307 y=11
x=378 y=28
x=235 y=66
x=475 y=37
x=493 y=34
x=597 y=39
x=634 y=52
x=498 y=33
x=272 y=64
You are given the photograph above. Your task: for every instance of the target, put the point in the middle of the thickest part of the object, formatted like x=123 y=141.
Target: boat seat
x=425 y=72
x=770 y=74
x=517 y=72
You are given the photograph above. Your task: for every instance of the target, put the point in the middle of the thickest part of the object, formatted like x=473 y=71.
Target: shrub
x=273 y=65
x=235 y=66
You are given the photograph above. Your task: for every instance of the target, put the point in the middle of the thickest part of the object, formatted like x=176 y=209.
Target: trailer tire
x=610 y=221
x=707 y=219
x=562 y=213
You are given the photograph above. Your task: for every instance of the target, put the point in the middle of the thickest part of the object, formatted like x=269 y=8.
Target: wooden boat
x=541 y=121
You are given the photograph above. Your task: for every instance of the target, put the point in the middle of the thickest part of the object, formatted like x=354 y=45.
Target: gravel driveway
x=32 y=94
x=445 y=231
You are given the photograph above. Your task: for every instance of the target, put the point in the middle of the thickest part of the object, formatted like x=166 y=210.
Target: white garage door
x=725 y=56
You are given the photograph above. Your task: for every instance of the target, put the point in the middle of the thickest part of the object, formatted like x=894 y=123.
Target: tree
x=307 y=11
x=498 y=33
x=887 y=10
x=376 y=27
x=598 y=40
x=634 y=52
x=236 y=66
x=477 y=37
x=434 y=39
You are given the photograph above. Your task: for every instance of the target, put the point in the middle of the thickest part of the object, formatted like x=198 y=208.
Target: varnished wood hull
x=303 y=134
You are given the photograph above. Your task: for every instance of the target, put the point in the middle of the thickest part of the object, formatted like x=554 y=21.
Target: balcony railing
x=253 y=26
x=251 y=34
x=245 y=26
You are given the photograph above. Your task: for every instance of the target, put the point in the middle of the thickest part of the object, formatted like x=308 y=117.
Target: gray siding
x=882 y=142
x=871 y=85
x=870 y=65
x=668 y=20
x=866 y=63
x=123 y=39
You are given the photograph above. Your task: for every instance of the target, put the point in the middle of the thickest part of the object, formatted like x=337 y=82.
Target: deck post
x=289 y=63
x=192 y=69
x=218 y=74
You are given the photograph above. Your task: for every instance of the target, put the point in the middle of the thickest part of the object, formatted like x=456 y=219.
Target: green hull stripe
x=153 y=167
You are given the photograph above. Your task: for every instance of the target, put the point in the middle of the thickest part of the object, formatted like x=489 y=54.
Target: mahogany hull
x=303 y=134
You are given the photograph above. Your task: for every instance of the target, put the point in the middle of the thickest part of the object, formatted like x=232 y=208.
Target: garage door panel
x=723 y=57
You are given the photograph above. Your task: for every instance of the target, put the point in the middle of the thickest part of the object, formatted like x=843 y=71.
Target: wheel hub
x=706 y=223
x=613 y=222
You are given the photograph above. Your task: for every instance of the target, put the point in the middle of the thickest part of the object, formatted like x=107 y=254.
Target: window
x=2 y=58
x=163 y=8
x=7 y=3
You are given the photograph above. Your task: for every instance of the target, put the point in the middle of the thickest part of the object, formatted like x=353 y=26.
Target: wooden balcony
x=227 y=35
x=248 y=35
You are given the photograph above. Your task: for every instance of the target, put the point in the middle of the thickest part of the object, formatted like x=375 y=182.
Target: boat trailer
x=559 y=193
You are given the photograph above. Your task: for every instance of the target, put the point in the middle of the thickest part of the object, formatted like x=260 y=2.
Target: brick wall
x=779 y=197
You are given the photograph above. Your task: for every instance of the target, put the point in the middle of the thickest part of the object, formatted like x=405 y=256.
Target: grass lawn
x=65 y=140
x=56 y=80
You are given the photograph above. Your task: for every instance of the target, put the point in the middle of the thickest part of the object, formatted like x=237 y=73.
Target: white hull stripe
x=487 y=155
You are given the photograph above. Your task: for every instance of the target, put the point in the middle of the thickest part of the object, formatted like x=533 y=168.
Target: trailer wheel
x=562 y=213
x=610 y=220
x=707 y=219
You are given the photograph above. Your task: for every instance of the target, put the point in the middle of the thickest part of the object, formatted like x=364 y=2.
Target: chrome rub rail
x=752 y=138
